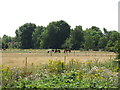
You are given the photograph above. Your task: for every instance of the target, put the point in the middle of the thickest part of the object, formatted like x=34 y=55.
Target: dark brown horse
x=67 y=50
x=57 y=51
x=4 y=49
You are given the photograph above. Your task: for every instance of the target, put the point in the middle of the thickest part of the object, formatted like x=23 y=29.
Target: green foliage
x=24 y=35
x=117 y=47
x=75 y=40
x=6 y=41
x=59 y=74
x=58 y=34
x=0 y=43
x=55 y=34
x=102 y=43
x=112 y=39
x=91 y=38
x=36 y=36
x=56 y=66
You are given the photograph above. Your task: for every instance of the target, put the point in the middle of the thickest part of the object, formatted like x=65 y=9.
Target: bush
x=59 y=74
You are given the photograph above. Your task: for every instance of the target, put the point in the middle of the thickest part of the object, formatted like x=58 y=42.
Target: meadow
x=39 y=69
x=12 y=57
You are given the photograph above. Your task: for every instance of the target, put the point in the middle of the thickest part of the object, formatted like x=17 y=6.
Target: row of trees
x=58 y=34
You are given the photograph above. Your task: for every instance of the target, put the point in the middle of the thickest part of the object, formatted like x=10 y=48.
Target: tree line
x=59 y=35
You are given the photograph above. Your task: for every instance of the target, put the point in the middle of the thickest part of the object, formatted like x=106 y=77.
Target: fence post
x=65 y=59
x=50 y=53
x=110 y=56
x=26 y=62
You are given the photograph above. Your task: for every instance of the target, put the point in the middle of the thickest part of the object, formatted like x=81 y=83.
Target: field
x=28 y=69
x=17 y=58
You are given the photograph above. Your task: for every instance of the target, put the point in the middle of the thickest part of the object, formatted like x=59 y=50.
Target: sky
x=87 y=13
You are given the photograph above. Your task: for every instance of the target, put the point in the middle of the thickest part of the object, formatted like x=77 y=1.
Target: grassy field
x=17 y=58
x=26 y=69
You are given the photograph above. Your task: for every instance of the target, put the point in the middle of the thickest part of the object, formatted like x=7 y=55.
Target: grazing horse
x=4 y=49
x=67 y=50
x=50 y=50
x=57 y=51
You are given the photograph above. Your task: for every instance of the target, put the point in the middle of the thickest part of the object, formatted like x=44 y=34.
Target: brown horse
x=67 y=50
x=57 y=51
x=4 y=49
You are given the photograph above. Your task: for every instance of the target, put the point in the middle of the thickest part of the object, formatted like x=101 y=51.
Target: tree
x=24 y=35
x=0 y=43
x=75 y=40
x=117 y=47
x=36 y=36
x=5 y=40
x=112 y=38
x=102 y=43
x=91 y=38
x=55 y=34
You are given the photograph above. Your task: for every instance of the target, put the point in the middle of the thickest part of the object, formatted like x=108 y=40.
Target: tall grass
x=62 y=74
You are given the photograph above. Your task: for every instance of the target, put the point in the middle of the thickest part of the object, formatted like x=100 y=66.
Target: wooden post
x=110 y=56
x=50 y=53
x=26 y=62
x=65 y=59
x=62 y=67
x=25 y=69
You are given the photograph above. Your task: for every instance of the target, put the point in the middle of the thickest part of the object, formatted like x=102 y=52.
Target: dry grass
x=37 y=57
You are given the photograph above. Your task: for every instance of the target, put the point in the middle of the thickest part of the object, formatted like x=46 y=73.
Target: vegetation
x=118 y=48
x=55 y=34
x=24 y=35
x=58 y=34
x=59 y=74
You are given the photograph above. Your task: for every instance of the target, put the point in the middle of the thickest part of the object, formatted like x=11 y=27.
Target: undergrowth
x=60 y=74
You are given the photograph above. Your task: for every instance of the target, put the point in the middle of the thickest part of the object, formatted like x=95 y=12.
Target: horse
x=57 y=51
x=67 y=50
x=4 y=49
x=50 y=50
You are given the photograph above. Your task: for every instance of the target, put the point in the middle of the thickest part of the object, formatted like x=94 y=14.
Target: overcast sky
x=100 y=13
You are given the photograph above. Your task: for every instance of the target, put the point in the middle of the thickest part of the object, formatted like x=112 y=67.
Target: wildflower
x=78 y=77
x=85 y=69
x=88 y=62
x=68 y=74
x=84 y=76
x=102 y=68
x=75 y=72
x=100 y=77
x=83 y=62
x=96 y=74
x=8 y=67
x=26 y=78
x=92 y=76
x=116 y=69
x=94 y=70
